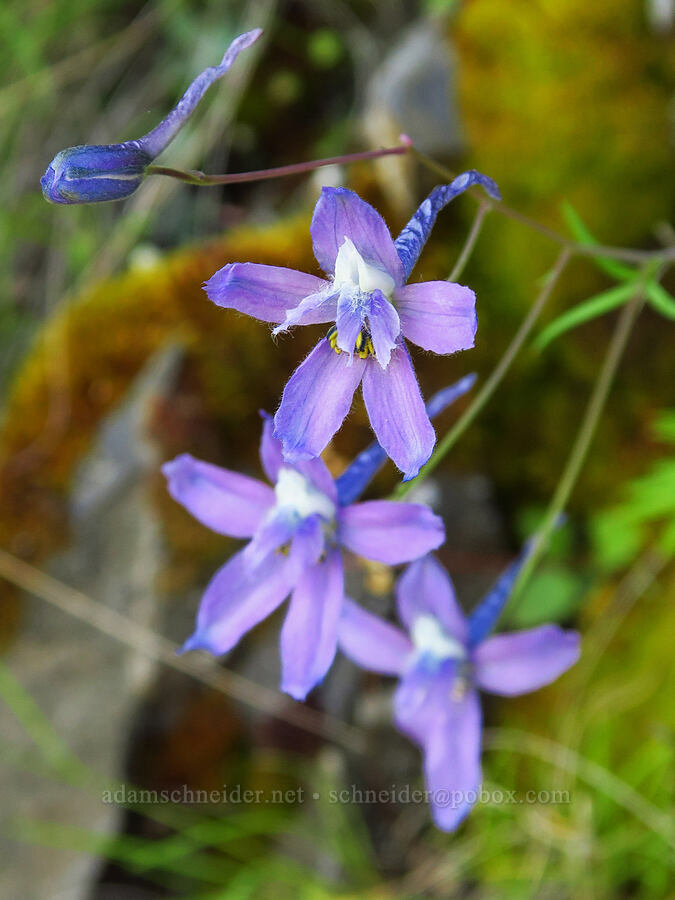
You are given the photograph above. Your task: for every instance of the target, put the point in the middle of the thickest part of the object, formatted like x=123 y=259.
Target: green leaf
x=551 y=595
x=660 y=299
x=580 y=232
x=584 y=312
x=664 y=426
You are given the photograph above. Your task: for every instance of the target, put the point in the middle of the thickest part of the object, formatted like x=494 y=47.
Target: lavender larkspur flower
x=442 y=662
x=372 y=311
x=96 y=173
x=297 y=530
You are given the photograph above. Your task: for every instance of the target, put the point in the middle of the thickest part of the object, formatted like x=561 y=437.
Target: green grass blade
x=660 y=299
x=581 y=234
x=584 y=312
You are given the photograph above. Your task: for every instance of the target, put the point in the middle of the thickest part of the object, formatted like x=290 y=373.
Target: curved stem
x=493 y=381
x=200 y=178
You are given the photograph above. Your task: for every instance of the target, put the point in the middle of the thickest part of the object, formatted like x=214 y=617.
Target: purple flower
x=93 y=173
x=372 y=309
x=296 y=530
x=441 y=663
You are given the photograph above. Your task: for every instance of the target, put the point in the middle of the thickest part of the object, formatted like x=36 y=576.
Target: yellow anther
x=363 y=346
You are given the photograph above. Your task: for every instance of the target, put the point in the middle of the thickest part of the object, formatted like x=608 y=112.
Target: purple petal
x=390 y=532
x=421 y=699
x=397 y=414
x=157 y=139
x=340 y=213
x=308 y=544
x=265 y=292
x=349 y=320
x=372 y=643
x=425 y=588
x=312 y=310
x=437 y=315
x=237 y=598
x=317 y=472
x=511 y=664
x=271 y=455
x=272 y=459
x=274 y=532
x=315 y=401
x=309 y=633
x=224 y=501
x=384 y=325
x=452 y=761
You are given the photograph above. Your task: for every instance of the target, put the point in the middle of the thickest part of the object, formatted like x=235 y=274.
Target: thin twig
x=582 y=442
x=470 y=242
x=495 y=378
x=159 y=648
x=201 y=178
x=627 y=254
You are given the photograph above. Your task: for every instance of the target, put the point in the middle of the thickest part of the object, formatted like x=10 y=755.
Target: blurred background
x=112 y=361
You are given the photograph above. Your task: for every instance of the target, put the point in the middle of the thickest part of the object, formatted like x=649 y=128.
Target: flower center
x=296 y=494
x=429 y=639
x=363 y=346
x=352 y=270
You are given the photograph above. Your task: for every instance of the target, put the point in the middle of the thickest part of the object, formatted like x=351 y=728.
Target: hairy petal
x=512 y=664
x=425 y=589
x=237 y=598
x=224 y=501
x=312 y=310
x=315 y=401
x=437 y=315
x=452 y=761
x=390 y=532
x=264 y=292
x=371 y=642
x=309 y=633
x=397 y=414
x=384 y=325
x=340 y=213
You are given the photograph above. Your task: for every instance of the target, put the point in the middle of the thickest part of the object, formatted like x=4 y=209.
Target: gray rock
x=87 y=684
x=412 y=92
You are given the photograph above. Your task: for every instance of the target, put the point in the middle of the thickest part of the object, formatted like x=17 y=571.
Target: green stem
x=585 y=434
x=200 y=178
x=470 y=242
x=493 y=381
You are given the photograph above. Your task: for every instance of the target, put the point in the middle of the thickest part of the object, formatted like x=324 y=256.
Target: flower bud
x=91 y=174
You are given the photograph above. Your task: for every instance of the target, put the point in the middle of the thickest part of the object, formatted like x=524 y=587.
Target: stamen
x=363 y=346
